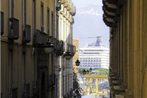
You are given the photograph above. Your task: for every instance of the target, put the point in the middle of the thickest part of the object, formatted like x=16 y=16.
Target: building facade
x=65 y=21
x=76 y=56
x=127 y=20
x=31 y=47
x=94 y=55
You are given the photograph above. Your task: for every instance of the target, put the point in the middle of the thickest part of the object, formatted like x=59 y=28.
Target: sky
x=89 y=22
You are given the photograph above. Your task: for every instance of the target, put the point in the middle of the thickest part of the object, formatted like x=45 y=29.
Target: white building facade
x=65 y=25
x=94 y=56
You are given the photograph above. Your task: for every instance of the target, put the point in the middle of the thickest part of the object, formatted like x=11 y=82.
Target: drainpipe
x=10 y=49
x=60 y=58
x=60 y=77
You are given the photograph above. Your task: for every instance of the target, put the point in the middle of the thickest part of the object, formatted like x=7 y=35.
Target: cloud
x=90 y=10
x=89 y=22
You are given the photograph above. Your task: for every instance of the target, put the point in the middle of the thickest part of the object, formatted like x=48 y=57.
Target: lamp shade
x=77 y=62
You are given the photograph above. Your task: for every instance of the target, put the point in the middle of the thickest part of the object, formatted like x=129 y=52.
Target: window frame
x=48 y=21
x=42 y=16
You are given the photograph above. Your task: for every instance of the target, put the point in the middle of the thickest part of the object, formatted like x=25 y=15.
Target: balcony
x=40 y=39
x=49 y=43
x=13 y=28
x=70 y=51
x=59 y=48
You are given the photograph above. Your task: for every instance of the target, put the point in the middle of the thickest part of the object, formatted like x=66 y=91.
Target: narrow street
x=43 y=54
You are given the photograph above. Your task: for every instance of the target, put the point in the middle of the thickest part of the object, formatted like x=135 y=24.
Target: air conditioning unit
x=27 y=34
x=2 y=23
x=13 y=28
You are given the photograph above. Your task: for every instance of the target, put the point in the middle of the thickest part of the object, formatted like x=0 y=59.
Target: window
x=26 y=28
x=24 y=13
x=57 y=31
x=42 y=17
x=34 y=15
x=11 y=8
x=2 y=22
x=52 y=24
x=48 y=21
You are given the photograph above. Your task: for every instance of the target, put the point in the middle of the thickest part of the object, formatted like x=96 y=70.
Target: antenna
x=95 y=37
x=90 y=37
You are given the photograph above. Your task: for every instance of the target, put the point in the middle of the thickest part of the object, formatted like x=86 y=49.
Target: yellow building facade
x=30 y=48
x=76 y=56
x=127 y=20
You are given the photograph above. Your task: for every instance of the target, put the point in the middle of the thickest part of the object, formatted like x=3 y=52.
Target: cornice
x=69 y=6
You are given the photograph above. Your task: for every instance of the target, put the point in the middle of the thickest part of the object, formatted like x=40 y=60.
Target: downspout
x=24 y=44
x=10 y=47
x=59 y=67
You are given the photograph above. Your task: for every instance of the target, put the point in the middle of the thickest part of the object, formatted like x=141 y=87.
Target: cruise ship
x=94 y=55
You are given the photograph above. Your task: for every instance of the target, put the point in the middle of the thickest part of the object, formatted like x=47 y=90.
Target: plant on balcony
x=76 y=87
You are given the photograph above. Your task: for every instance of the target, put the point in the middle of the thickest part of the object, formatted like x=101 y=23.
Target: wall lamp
x=77 y=62
x=70 y=51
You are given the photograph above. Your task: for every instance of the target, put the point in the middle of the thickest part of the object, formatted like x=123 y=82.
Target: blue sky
x=89 y=22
